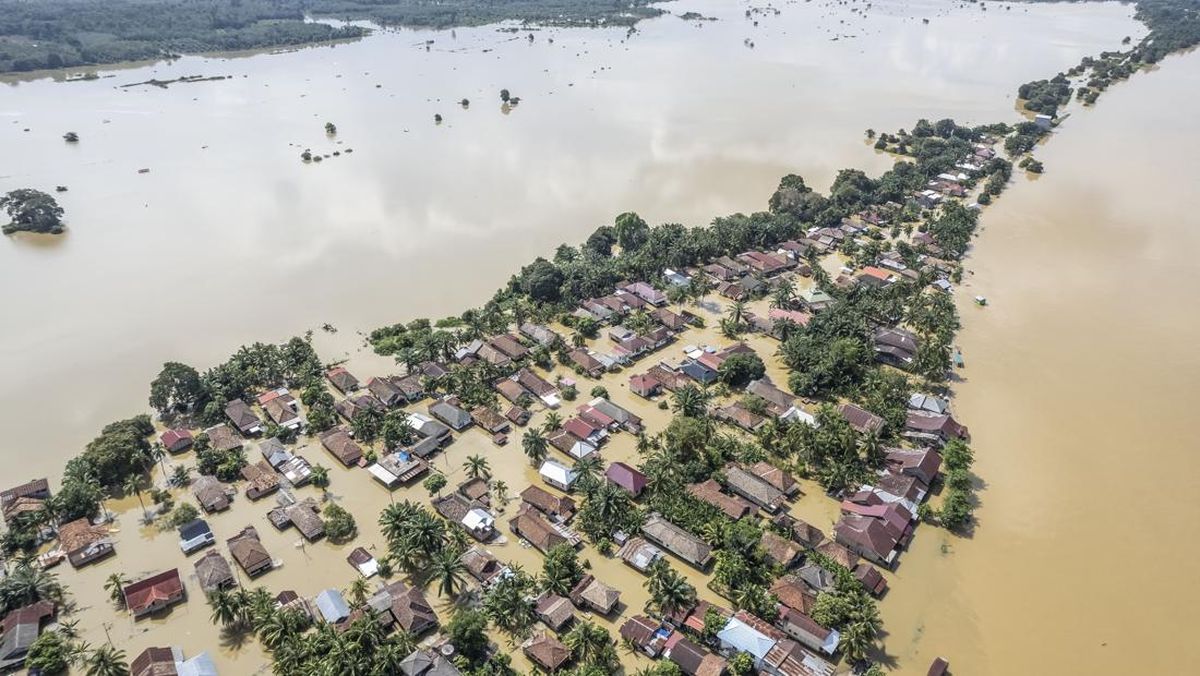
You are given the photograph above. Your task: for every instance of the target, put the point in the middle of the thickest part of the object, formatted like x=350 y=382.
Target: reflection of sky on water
x=231 y=238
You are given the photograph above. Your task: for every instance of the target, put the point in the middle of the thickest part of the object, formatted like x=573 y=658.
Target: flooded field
x=1077 y=377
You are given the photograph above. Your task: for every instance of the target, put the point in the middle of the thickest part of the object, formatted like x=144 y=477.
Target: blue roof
x=746 y=639
x=194 y=529
x=700 y=372
x=332 y=606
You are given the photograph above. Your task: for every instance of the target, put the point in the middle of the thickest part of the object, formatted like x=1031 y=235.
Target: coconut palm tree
x=115 y=586
x=553 y=422
x=27 y=583
x=225 y=608
x=737 y=314
x=106 y=660
x=133 y=485
x=274 y=629
x=394 y=519
x=588 y=472
x=534 y=444
x=180 y=476
x=159 y=455
x=501 y=490
x=784 y=294
x=359 y=589
x=669 y=591
x=320 y=477
x=448 y=569
x=388 y=657
x=476 y=466
x=590 y=644
x=698 y=288
x=690 y=401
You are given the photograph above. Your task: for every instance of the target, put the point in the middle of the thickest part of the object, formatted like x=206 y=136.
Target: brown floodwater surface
x=1078 y=373
x=230 y=238
x=1080 y=380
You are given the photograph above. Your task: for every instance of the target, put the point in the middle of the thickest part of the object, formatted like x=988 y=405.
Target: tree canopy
x=31 y=211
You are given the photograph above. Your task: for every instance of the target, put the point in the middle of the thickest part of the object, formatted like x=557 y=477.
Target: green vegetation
x=1046 y=96
x=958 y=503
x=66 y=33
x=339 y=524
x=1174 y=26
x=31 y=211
x=179 y=388
x=25 y=584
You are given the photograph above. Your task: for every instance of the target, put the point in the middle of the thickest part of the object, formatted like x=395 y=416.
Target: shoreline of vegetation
x=73 y=33
x=830 y=360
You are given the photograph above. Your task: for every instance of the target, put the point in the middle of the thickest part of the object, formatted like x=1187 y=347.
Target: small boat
x=957 y=356
x=980 y=301
x=143 y=171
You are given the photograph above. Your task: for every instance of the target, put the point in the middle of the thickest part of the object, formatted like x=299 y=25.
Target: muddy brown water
x=1078 y=374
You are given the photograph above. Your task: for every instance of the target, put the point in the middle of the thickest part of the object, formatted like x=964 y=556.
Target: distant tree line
x=40 y=34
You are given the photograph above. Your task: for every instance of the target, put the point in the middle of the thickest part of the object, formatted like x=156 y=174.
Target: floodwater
x=1073 y=392
x=1079 y=381
x=230 y=238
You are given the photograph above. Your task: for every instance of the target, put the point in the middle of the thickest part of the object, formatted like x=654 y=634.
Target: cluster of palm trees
x=425 y=547
x=669 y=591
x=362 y=648
x=26 y=583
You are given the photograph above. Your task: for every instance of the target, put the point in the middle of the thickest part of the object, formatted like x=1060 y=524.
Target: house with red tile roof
x=154 y=593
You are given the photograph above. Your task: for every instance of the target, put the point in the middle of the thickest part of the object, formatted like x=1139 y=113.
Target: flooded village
x=517 y=470
x=698 y=450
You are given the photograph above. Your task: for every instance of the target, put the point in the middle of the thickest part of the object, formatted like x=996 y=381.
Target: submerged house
x=342 y=379
x=554 y=611
x=171 y=662
x=676 y=540
x=210 y=493
x=709 y=491
x=531 y=525
x=558 y=475
x=453 y=416
x=154 y=593
x=342 y=446
x=559 y=508
x=639 y=554
x=303 y=515
x=176 y=440
x=84 y=543
x=213 y=572
x=195 y=535
x=594 y=595
x=20 y=628
x=628 y=478
x=249 y=552
x=895 y=346
x=242 y=417
x=546 y=651
x=753 y=488
x=862 y=420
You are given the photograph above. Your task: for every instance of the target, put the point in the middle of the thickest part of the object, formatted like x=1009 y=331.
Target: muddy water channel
x=1077 y=375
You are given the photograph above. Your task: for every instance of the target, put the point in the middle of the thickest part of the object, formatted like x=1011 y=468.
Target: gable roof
x=676 y=540
x=213 y=571
x=626 y=477
x=343 y=447
x=709 y=491
x=147 y=593
x=546 y=651
x=860 y=419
